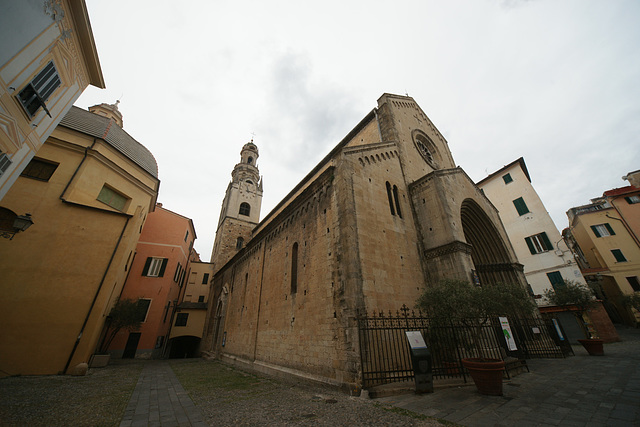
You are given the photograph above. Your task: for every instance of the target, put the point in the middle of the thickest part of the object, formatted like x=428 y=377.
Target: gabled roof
x=106 y=129
x=520 y=161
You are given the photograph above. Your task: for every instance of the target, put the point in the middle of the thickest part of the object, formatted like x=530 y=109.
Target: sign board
x=416 y=340
x=508 y=335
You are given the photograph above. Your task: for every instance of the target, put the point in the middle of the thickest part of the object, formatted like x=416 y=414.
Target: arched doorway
x=489 y=252
x=184 y=347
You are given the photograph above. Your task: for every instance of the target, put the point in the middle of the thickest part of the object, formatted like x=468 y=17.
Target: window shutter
x=164 y=266
x=546 y=241
x=609 y=229
x=532 y=249
x=595 y=231
x=521 y=206
x=145 y=270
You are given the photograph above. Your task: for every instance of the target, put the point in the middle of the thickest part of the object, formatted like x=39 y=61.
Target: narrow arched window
x=294 y=268
x=395 y=197
x=239 y=243
x=250 y=160
x=245 y=209
x=390 y=197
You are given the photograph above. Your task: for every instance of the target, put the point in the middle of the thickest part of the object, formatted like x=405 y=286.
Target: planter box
x=99 y=360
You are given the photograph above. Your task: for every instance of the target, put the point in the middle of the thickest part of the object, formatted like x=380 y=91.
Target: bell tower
x=240 y=211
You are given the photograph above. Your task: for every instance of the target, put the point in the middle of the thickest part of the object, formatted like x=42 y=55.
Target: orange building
x=156 y=279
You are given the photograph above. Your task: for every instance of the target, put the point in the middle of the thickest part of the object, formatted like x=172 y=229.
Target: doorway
x=132 y=345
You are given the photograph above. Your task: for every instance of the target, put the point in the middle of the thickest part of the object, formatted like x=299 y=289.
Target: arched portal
x=489 y=252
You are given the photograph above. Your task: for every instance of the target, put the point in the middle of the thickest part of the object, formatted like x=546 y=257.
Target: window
x=239 y=243
x=538 y=243
x=205 y=279
x=5 y=162
x=186 y=235
x=521 y=206
x=632 y=200
x=154 y=267
x=602 y=230
x=250 y=160
x=617 y=253
x=395 y=197
x=181 y=319
x=39 y=169
x=35 y=93
x=507 y=178
x=143 y=308
x=178 y=273
x=556 y=279
x=390 y=197
x=294 y=268
x=635 y=284
x=394 y=200
x=201 y=298
x=112 y=198
x=245 y=209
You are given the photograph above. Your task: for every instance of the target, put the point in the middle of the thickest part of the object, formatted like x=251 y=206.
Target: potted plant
x=473 y=307
x=582 y=299
x=125 y=314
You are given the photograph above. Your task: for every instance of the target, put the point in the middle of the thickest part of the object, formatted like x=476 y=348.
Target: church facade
x=383 y=215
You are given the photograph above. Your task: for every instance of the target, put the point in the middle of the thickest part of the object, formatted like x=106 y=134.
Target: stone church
x=383 y=215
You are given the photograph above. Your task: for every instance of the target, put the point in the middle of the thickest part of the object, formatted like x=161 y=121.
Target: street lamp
x=20 y=223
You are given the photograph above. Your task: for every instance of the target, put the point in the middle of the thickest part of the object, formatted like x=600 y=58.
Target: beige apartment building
x=547 y=260
x=191 y=312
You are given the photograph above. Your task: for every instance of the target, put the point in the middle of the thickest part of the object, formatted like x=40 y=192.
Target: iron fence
x=386 y=356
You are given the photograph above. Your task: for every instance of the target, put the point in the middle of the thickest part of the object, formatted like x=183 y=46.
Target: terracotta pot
x=486 y=374
x=593 y=346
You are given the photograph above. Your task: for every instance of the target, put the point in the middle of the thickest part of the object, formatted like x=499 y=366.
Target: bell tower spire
x=240 y=211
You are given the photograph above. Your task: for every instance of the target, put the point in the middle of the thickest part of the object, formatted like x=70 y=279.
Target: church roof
x=101 y=127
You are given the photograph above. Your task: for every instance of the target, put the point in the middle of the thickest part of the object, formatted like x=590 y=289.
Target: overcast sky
x=557 y=82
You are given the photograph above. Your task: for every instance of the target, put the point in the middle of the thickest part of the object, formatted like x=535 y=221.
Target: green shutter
x=547 y=242
x=595 y=231
x=521 y=206
x=532 y=248
x=556 y=279
x=619 y=255
x=145 y=270
x=164 y=266
x=609 y=229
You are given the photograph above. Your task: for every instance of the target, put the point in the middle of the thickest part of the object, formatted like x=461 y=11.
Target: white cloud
x=555 y=82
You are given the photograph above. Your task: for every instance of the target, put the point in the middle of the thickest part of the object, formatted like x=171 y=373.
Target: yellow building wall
x=67 y=270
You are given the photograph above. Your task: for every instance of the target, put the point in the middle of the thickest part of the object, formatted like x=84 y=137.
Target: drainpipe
x=86 y=152
x=95 y=298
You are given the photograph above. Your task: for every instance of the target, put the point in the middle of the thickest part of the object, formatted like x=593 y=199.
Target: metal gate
x=385 y=354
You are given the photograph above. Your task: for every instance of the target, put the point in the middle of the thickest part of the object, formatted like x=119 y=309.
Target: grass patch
x=411 y=414
x=215 y=380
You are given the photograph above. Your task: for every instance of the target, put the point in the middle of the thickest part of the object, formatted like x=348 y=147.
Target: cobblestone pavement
x=159 y=399
x=581 y=390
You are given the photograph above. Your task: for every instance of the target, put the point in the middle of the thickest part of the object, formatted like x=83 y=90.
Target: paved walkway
x=581 y=390
x=160 y=400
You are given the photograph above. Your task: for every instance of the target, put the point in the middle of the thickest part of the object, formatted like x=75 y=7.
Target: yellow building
x=188 y=323
x=47 y=58
x=88 y=190
x=604 y=237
